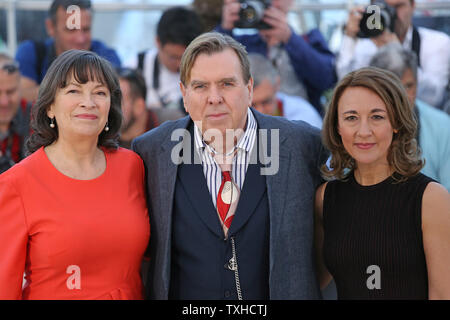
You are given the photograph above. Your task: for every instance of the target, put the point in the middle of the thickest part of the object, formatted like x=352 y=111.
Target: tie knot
x=226 y=175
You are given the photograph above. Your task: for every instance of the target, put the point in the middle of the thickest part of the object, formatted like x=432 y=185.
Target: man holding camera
x=305 y=63
x=14 y=115
x=361 y=42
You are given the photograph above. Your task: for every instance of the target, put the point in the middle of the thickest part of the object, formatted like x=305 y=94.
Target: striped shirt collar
x=241 y=160
x=245 y=142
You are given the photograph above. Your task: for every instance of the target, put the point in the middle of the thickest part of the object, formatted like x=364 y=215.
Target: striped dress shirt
x=212 y=171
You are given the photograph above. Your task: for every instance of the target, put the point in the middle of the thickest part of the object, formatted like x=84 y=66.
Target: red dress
x=75 y=239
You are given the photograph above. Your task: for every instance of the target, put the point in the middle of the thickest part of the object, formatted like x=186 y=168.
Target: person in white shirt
x=432 y=48
x=177 y=27
x=269 y=100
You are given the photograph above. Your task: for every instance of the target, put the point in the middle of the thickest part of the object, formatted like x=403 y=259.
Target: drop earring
x=52 y=123
x=106 y=127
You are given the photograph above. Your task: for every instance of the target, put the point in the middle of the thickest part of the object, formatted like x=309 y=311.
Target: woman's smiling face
x=81 y=109
x=364 y=126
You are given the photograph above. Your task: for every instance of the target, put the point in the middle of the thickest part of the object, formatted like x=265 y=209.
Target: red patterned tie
x=227 y=200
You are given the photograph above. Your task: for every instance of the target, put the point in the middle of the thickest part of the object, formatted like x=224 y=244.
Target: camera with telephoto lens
x=252 y=13
x=376 y=18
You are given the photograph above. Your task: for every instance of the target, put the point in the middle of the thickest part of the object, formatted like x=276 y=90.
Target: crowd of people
x=255 y=188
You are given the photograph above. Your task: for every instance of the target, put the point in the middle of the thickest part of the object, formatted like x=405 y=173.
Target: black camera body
x=252 y=13
x=369 y=27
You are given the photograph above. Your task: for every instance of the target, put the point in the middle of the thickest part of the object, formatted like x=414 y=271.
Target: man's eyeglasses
x=10 y=67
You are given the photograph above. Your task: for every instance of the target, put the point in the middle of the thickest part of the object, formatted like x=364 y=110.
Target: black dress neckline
x=390 y=179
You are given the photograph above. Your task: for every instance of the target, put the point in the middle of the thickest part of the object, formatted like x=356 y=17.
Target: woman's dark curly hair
x=82 y=66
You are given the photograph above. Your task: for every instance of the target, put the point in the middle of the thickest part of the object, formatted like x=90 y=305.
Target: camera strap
x=415 y=46
x=155 y=78
x=156 y=86
x=155 y=75
x=141 y=56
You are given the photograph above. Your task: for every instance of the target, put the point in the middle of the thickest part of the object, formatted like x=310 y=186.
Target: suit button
x=227 y=293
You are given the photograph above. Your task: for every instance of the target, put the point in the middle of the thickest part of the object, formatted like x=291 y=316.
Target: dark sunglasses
x=10 y=67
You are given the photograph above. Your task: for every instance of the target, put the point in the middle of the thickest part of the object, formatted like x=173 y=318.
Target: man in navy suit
x=230 y=190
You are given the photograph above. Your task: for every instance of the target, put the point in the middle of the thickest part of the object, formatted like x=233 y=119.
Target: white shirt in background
x=433 y=73
x=169 y=82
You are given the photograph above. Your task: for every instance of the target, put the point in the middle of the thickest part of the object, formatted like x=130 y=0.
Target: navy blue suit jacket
x=290 y=191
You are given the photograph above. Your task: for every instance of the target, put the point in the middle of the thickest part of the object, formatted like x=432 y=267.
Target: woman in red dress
x=73 y=213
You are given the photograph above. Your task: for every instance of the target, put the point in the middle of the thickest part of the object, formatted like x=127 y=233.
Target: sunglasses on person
x=10 y=67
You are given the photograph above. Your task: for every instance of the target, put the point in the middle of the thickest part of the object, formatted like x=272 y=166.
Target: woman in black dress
x=382 y=227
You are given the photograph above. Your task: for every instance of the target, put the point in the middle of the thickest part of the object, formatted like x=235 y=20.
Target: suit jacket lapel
x=276 y=183
x=199 y=195
x=251 y=193
x=276 y=193
x=167 y=169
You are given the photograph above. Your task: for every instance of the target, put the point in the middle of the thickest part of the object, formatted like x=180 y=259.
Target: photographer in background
x=432 y=47
x=268 y=100
x=305 y=63
x=209 y=11
x=14 y=115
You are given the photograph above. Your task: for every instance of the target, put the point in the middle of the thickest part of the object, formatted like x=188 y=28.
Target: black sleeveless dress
x=373 y=238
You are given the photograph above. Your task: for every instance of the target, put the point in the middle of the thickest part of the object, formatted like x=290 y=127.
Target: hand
x=354 y=18
x=386 y=37
x=280 y=31
x=230 y=13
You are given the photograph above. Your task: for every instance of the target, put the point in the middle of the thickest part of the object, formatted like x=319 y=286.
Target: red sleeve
x=13 y=240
